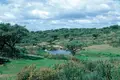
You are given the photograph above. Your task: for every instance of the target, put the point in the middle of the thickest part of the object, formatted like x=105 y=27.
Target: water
x=59 y=52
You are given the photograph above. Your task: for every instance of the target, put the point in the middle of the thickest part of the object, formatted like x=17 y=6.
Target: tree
x=74 y=45
x=9 y=36
x=114 y=27
x=95 y=36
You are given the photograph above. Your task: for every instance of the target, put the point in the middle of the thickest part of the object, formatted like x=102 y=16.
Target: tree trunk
x=73 y=53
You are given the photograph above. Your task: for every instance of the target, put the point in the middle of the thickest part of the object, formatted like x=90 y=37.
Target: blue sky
x=54 y=14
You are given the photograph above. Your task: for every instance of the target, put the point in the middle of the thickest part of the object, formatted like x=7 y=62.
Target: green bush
x=71 y=71
x=59 y=56
x=99 y=70
x=31 y=73
x=26 y=73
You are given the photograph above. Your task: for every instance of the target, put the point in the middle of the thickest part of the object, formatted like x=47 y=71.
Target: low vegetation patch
x=99 y=70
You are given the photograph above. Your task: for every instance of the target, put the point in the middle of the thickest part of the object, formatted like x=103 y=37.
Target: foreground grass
x=93 y=53
x=11 y=69
x=84 y=70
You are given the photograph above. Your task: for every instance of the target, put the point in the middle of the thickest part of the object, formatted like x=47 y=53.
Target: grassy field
x=99 y=52
x=10 y=70
x=96 y=52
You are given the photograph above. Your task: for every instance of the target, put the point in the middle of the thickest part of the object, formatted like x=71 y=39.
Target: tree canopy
x=9 y=36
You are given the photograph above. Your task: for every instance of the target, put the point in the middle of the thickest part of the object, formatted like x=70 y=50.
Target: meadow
x=10 y=70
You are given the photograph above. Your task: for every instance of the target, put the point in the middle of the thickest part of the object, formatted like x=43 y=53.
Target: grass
x=7 y=77
x=93 y=53
x=104 y=48
x=99 y=52
x=12 y=68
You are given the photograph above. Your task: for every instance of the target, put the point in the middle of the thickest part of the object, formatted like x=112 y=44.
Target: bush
x=71 y=71
x=31 y=73
x=45 y=74
x=59 y=56
x=26 y=73
x=100 y=70
x=104 y=70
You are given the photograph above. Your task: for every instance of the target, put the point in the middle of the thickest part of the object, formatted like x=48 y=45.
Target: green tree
x=9 y=36
x=74 y=45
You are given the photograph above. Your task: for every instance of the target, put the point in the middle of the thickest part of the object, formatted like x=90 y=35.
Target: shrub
x=43 y=74
x=31 y=73
x=71 y=71
x=104 y=70
x=26 y=73
x=100 y=70
x=60 y=57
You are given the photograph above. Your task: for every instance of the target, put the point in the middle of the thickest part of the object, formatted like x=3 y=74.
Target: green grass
x=8 y=77
x=99 y=52
x=93 y=53
x=12 y=68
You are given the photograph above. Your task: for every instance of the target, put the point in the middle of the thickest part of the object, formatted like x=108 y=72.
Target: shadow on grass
x=32 y=57
x=3 y=60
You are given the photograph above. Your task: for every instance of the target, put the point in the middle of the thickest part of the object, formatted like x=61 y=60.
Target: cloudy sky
x=54 y=14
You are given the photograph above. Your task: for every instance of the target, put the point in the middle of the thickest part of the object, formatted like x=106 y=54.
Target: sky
x=54 y=14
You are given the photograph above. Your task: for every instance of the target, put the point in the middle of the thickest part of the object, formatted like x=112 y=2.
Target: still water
x=59 y=52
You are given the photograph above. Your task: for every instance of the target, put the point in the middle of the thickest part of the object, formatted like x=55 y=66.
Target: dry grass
x=99 y=47
x=104 y=48
x=7 y=77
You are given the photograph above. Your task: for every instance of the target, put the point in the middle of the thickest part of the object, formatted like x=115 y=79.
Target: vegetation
x=95 y=53
x=90 y=36
x=72 y=39
x=100 y=70
x=9 y=36
x=74 y=45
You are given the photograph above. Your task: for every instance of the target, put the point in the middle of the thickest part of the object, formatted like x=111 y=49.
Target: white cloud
x=59 y=13
x=105 y=6
x=54 y=21
x=41 y=14
x=101 y=17
x=118 y=17
x=81 y=21
x=9 y=16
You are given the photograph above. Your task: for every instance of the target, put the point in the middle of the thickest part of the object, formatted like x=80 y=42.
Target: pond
x=59 y=52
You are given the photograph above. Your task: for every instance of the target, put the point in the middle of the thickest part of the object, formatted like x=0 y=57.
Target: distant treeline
x=106 y=35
